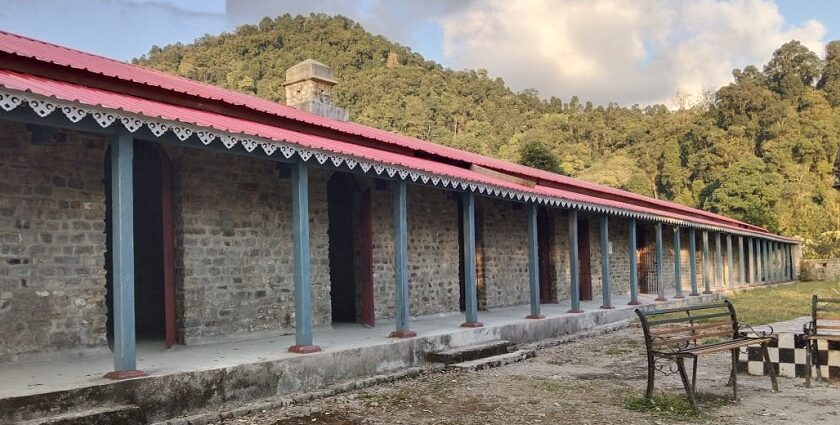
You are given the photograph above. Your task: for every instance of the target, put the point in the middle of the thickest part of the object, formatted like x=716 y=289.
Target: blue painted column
x=634 y=267
x=692 y=261
x=791 y=272
x=122 y=251
x=765 y=261
x=574 y=276
x=707 y=264
x=533 y=263
x=401 y=303
x=660 y=258
x=779 y=263
x=753 y=271
x=677 y=264
x=718 y=262
x=759 y=259
x=742 y=278
x=605 y=262
x=791 y=265
x=470 y=284
x=303 y=289
x=729 y=262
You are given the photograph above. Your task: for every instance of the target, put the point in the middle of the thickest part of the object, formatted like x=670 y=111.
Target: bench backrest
x=677 y=328
x=825 y=315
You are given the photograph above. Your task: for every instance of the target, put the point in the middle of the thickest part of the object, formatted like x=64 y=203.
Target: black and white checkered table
x=788 y=355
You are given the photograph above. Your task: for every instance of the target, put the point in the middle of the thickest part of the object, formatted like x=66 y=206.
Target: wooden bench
x=825 y=326
x=689 y=332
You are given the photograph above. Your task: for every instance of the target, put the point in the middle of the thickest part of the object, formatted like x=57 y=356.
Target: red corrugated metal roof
x=62 y=56
x=110 y=100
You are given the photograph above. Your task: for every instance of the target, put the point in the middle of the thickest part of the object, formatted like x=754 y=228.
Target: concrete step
x=470 y=352
x=493 y=361
x=106 y=415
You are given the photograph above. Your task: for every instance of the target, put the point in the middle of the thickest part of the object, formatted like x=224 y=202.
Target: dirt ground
x=594 y=381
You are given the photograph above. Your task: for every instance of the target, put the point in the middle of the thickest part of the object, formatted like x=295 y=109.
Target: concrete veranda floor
x=27 y=378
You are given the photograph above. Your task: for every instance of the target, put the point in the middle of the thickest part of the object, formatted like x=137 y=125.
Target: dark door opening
x=153 y=265
x=584 y=260
x=545 y=252
x=645 y=261
x=350 y=251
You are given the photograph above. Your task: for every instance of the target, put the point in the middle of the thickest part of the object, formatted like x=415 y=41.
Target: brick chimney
x=309 y=88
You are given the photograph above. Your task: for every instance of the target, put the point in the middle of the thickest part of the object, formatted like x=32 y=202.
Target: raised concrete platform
x=186 y=380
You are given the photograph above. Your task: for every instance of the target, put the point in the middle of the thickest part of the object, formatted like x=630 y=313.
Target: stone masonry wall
x=234 y=245
x=432 y=252
x=820 y=270
x=505 y=233
x=52 y=242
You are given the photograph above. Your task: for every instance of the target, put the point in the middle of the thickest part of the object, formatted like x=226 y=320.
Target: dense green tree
x=537 y=155
x=792 y=68
x=762 y=150
x=830 y=80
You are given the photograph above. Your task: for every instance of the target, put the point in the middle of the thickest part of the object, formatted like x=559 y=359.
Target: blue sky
x=624 y=50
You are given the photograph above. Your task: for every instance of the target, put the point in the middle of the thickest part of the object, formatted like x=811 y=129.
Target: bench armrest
x=808 y=328
x=748 y=331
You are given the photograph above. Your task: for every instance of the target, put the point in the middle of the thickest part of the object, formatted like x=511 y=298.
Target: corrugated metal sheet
x=62 y=56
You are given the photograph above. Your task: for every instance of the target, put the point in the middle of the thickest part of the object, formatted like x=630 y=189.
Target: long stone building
x=139 y=205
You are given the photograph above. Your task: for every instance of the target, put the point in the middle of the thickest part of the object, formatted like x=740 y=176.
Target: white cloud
x=628 y=51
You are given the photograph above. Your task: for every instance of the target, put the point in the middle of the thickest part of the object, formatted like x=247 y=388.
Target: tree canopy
x=761 y=149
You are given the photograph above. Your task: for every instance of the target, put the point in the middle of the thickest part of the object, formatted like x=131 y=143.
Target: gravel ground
x=593 y=381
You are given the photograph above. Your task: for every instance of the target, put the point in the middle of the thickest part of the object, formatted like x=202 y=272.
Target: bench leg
x=815 y=356
x=733 y=375
x=807 y=363
x=688 y=386
x=651 y=377
x=694 y=375
x=769 y=367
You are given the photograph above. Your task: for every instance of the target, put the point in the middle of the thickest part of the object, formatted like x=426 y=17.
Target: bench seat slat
x=830 y=318
x=722 y=346
x=683 y=309
x=687 y=319
x=698 y=337
x=689 y=328
x=826 y=337
x=832 y=327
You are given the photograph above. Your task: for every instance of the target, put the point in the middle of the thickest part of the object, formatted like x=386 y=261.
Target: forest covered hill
x=761 y=149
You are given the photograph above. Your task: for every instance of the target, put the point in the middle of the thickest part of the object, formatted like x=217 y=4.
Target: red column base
x=637 y=302
x=304 y=349
x=535 y=316
x=607 y=307
x=661 y=299
x=708 y=292
x=679 y=297
x=124 y=374
x=693 y=294
x=472 y=325
x=402 y=334
x=575 y=310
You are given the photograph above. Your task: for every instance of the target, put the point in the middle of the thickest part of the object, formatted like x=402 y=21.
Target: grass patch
x=546 y=385
x=674 y=407
x=768 y=305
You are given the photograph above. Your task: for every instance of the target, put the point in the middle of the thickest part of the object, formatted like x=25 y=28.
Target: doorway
x=545 y=251
x=350 y=250
x=646 y=261
x=154 y=268
x=584 y=260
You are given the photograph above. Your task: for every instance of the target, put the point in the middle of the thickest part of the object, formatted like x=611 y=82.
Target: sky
x=624 y=51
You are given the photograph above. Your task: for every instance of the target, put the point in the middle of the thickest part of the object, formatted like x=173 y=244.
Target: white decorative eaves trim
x=75 y=112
